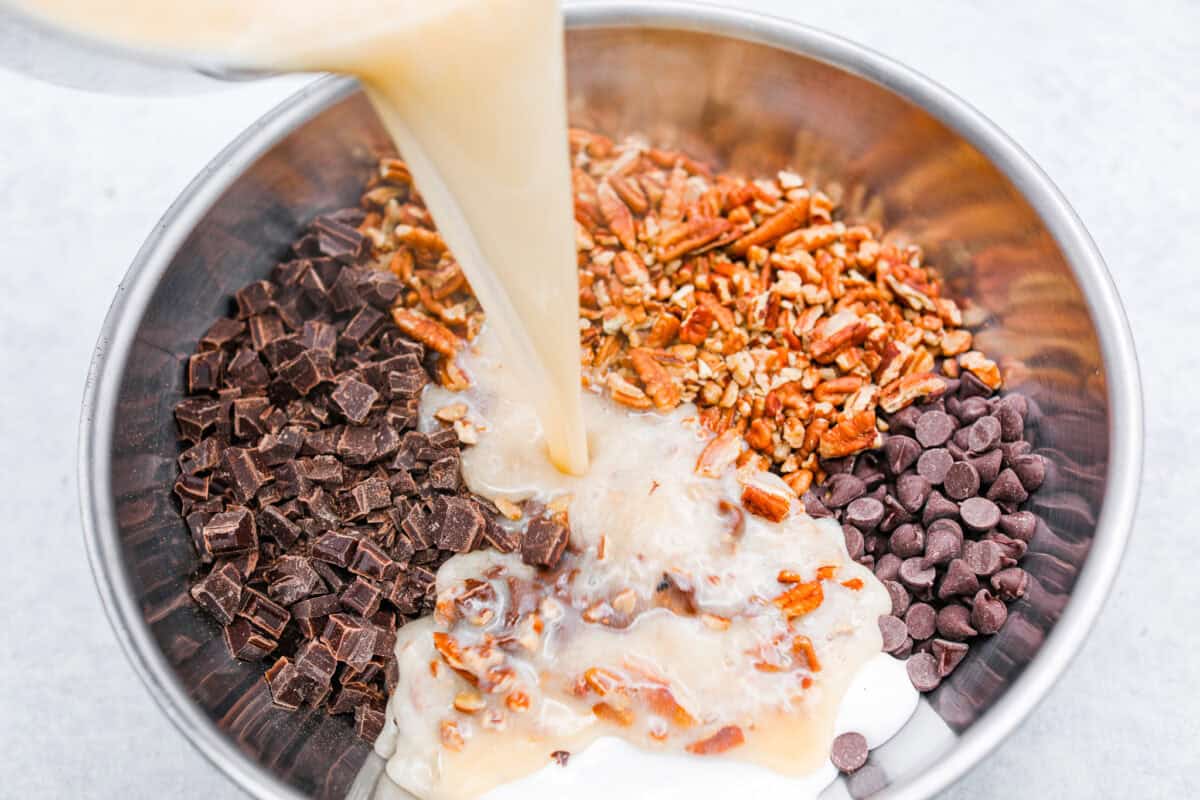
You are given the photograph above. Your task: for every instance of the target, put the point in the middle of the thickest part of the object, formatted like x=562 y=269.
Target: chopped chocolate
x=370 y=560
x=254 y=298
x=307 y=371
x=204 y=371
x=263 y=612
x=220 y=593
x=245 y=643
x=543 y=543
x=354 y=399
x=335 y=548
x=221 y=333
x=362 y=328
x=201 y=457
x=230 y=532
x=245 y=472
x=362 y=597
x=196 y=416
x=462 y=526
x=368 y=721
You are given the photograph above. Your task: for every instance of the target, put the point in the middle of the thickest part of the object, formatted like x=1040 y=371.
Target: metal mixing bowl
x=752 y=93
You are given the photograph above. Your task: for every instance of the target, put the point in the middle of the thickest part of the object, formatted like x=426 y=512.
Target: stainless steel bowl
x=753 y=93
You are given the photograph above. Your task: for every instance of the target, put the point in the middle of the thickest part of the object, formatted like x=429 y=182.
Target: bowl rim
x=1112 y=329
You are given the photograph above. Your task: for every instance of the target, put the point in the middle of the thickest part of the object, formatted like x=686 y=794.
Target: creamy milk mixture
x=474 y=94
x=678 y=627
x=677 y=622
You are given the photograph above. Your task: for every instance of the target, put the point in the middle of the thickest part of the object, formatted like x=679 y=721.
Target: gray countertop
x=1102 y=95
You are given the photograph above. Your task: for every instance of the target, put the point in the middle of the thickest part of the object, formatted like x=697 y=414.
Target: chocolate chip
x=941 y=545
x=1019 y=525
x=948 y=654
x=912 y=491
x=921 y=621
x=934 y=464
x=843 y=488
x=979 y=513
x=934 y=428
x=855 y=544
x=894 y=633
x=849 y=752
x=962 y=481
x=983 y=435
x=1007 y=488
x=916 y=575
x=987 y=465
x=938 y=507
x=1031 y=470
x=1011 y=451
x=907 y=540
x=887 y=567
x=954 y=622
x=923 y=672
x=983 y=557
x=543 y=543
x=899 y=596
x=988 y=613
x=971 y=409
x=1010 y=583
x=865 y=513
x=959 y=581
x=900 y=452
x=1012 y=425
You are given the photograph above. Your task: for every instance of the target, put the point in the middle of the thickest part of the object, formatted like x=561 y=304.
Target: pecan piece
x=630 y=269
x=660 y=386
x=690 y=236
x=981 y=367
x=426 y=331
x=627 y=394
x=836 y=335
x=695 y=327
x=785 y=221
x=904 y=391
x=719 y=454
x=765 y=495
x=850 y=436
x=726 y=738
x=617 y=216
x=630 y=192
x=663 y=331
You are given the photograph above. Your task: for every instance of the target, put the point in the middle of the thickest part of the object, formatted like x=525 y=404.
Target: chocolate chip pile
x=319 y=511
x=937 y=513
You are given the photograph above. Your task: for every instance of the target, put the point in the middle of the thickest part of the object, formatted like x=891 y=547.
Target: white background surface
x=1104 y=97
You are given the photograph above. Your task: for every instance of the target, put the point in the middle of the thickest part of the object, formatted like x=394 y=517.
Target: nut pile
x=319 y=512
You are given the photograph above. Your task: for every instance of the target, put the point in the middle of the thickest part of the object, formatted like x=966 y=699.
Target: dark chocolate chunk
x=200 y=458
x=339 y=241
x=316 y=607
x=356 y=445
x=230 y=532
x=307 y=371
x=246 y=643
x=221 y=333
x=362 y=328
x=370 y=560
x=543 y=542
x=263 y=613
x=354 y=399
x=249 y=417
x=264 y=329
x=362 y=597
x=368 y=721
x=462 y=527
x=204 y=371
x=335 y=548
x=245 y=473
x=220 y=593
x=196 y=416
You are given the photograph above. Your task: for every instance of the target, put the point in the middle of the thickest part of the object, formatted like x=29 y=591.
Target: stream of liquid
x=474 y=94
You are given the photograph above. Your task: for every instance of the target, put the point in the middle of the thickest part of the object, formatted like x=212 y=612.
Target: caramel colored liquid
x=473 y=93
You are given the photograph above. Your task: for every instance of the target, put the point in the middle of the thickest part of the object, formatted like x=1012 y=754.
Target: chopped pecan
x=663 y=331
x=905 y=391
x=719 y=454
x=617 y=216
x=787 y=220
x=851 y=436
x=627 y=394
x=691 y=236
x=660 y=386
x=726 y=738
x=630 y=270
x=630 y=193
x=429 y=332
x=765 y=494
x=981 y=367
x=696 y=325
